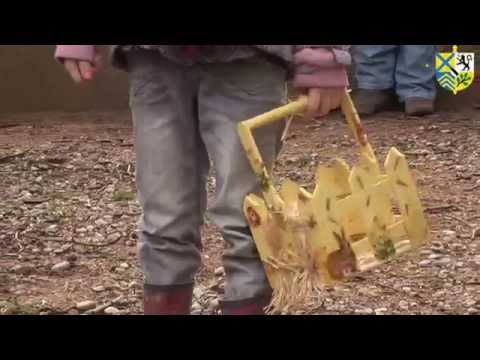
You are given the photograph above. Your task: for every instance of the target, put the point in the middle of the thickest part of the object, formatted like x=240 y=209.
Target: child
x=186 y=102
x=383 y=71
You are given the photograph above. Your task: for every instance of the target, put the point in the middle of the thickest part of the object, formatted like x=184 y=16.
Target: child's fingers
x=73 y=70
x=86 y=70
x=337 y=97
x=97 y=63
x=341 y=95
x=325 y=103
x=314 y=99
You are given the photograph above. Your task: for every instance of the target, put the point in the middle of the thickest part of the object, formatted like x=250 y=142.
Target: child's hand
x=321 y=75
x=80 y=71
x=323 y=100
x=81 y=61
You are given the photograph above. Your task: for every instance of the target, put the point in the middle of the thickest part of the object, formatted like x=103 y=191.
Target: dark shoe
x=419 y=107
x=167 y=301
x=251 y=307
x=369 y=102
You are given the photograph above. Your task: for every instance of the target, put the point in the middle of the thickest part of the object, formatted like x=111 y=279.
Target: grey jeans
x=184 y=116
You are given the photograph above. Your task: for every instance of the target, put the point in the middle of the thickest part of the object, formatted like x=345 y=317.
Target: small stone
x=424 y=263
x=219 y=271
x=435 y=256
x=443 y=261
x=476 y=260
x=198 y=293
x=130 y=243
x=214 y=304
x=437 y=244
x=449 y=235
x=364 y=311
x=99 y=237
x=425 y=252
x=196 y=307
x=120 y=300
x=459 y=264
x=22 y=269
x=446 y=307
x=470 y=302
x=473 y=311
x=86 y=305
x=101 y=222
x=113 y=237
x=406 y=289
x=99 y=288
x=124 y=265
x=443 y=274
x=72 y=258
x=62 y=266
x=438 y=250
x=403 y=305
x=366 y=291
x=52 y=228
x=381 y=311
x=81 y=230
x=111 y=310
x=73 y=312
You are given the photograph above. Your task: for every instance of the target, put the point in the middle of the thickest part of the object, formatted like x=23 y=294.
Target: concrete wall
x=30 y=80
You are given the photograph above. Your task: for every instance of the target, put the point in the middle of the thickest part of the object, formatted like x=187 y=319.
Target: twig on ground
x=473 y=188
x=19 y=242
x=76 y=242
x=475 y=232
x=8 y=126
x=9 y=158
x=98 y=309
x=437 y=209
x=417 y=297
x=475 y=228
x=460 y=220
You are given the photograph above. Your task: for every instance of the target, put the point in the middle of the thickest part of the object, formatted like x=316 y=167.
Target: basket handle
x=299 y=106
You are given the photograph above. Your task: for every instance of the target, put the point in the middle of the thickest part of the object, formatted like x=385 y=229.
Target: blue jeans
x=408 y=69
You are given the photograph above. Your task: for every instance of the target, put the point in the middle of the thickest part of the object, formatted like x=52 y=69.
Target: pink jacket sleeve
x=321 y=67
x=75 y=52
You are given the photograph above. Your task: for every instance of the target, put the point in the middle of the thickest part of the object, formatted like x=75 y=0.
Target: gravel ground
x=68 y=216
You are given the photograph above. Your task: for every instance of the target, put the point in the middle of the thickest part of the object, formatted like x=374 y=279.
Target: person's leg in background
x=172 y=165
x=375 y=77
x=230 y=93
x=415 y=78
